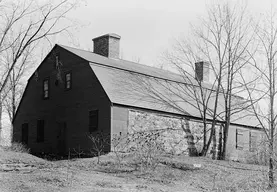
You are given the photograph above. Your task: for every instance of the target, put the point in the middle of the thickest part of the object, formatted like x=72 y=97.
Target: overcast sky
x=146 y=27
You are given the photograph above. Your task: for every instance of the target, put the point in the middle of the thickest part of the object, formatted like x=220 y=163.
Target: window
x=93 y=121
x=68 y=80
x=40 y=131
x=57 y=61
x=253 y=138
x=46 y=89
x=24 y=131
x=239 y=139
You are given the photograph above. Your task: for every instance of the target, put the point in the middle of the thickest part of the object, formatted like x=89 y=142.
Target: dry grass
x=176 y=173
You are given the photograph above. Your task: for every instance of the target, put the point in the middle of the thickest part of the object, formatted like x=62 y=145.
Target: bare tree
x=222 y=40
x=99 y=141
x=24 y=26
x=232 y=43
x=261 y=85
x=15 y=86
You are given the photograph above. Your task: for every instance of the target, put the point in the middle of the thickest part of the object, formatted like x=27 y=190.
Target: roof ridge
x=61 y=45
x=135 y=63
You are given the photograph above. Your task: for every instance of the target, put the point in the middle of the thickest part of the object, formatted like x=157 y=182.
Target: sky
x=147 y=27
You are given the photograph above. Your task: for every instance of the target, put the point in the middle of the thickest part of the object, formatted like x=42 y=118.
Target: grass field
x=23 y=172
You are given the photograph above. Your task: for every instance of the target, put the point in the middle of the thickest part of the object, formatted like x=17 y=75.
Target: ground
x=22 y=172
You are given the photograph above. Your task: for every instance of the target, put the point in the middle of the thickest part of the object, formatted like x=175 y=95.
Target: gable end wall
x=69 y=106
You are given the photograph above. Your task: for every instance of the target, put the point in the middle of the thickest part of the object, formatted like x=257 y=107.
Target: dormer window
x=46 y=89
x=68 y=80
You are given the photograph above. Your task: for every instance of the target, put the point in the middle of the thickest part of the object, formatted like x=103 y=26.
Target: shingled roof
x=130 y=66
x=125 y=83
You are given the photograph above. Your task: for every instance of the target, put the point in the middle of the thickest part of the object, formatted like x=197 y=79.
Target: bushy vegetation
x=18 y=147
x=260 y=155
x=99 y=141
x=144 y=148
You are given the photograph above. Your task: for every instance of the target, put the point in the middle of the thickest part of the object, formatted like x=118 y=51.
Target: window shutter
x=93 y=121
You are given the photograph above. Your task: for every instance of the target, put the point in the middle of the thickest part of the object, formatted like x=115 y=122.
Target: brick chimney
x=202 y=71
x=107 y=45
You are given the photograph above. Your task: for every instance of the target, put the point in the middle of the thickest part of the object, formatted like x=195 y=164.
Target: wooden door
x=25 y=133
x=61 y=138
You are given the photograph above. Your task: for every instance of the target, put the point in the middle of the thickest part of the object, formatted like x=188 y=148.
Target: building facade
x=74 y=93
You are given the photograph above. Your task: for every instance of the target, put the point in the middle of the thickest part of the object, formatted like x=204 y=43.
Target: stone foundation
x=171 y=133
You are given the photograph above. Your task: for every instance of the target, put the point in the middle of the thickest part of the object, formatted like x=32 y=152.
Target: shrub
x=259 y=156
x=99 y=141
x=146 y=149
x=142 y=149
x=19 y=147
x=76 y=152
x=119 y=145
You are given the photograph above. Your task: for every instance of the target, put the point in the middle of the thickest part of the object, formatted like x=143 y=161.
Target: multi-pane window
x=239 y=139
x=93 y=121
x=68 y=80
x=40 y=130
x=253 y=138
x=46 y=88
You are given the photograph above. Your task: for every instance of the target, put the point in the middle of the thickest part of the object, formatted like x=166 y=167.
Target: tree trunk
x=272 y=123
x=0 y=120
x=220 y=150
x=210 y=139
x=270 y=170
x=214 y=145
x=228 y=106
x=205 y=136
x=208 y=144
x=13 y=101
x=225 y=138
x=190 y=139
x=205 y=146
x=213 y=132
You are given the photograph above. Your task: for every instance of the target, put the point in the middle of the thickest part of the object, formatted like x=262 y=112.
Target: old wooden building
x=75 y=92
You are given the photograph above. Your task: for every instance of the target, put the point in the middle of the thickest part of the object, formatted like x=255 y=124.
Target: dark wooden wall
x=64 y=108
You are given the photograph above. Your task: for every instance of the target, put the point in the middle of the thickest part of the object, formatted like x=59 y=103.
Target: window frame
x=70 y=81
x=40 y=130
x=253 y=139
x=48 y=90
x=239 y=144
x=93 y=127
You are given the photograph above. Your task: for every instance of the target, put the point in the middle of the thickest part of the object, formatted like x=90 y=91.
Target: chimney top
x=108 y=35
x=107 y=45
x=202 y=71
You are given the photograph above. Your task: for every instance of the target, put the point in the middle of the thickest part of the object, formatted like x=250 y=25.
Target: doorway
x=25 y=133
x=61 y=137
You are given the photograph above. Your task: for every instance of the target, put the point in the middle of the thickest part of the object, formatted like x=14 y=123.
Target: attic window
x=57 y=60
x=46 y=89
x=68 y=80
